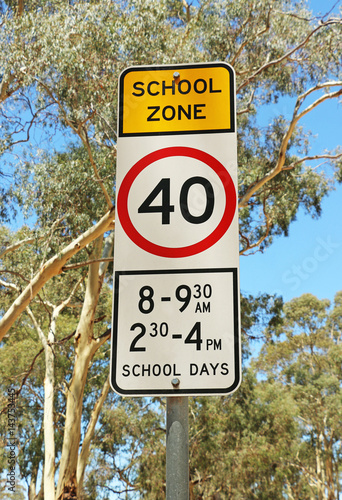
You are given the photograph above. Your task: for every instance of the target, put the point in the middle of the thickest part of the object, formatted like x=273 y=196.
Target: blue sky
x=309 y=260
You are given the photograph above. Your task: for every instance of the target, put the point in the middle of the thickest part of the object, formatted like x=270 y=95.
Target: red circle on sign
x=176 y=252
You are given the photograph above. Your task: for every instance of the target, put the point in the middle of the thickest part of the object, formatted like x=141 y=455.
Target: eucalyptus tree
x=303 y=353
x=58 y=95
x=280 y=435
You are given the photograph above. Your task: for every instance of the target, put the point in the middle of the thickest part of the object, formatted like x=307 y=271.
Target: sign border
x=176 y=392
x=176 y=67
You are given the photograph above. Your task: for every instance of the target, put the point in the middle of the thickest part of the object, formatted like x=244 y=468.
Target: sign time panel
x=167 y=341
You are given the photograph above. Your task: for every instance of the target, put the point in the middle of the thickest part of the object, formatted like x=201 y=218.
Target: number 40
x=166 y=208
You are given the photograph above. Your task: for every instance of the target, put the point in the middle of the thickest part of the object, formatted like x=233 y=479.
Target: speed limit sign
x=176 y=293
x=203 y=193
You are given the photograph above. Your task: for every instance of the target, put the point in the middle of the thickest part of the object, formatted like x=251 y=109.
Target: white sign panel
x=176 y=294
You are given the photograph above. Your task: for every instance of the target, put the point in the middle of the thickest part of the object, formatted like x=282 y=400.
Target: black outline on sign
x=175 y=392
x=175 y=68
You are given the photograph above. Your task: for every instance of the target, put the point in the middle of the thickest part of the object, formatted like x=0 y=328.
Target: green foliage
x=75 y=88
x=279 y=435
x=62 y=187
x=304 y=354
x=132 y=439
x=22 y=355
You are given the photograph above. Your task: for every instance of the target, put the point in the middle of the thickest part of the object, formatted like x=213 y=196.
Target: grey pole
x=177 y=448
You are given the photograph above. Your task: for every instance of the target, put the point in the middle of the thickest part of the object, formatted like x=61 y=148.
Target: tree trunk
x=320 y=470
x=67 y=486
x=48 y=426
x=83 y=458
x=329 y=467
x=20 y=9
x=32 y=486
x=49 y=434
x=87 y=346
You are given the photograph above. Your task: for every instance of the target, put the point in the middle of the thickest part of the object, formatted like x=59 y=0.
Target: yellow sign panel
x=176 y=99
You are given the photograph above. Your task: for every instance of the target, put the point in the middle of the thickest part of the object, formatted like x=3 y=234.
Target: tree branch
x=5 y=83
x=38 y=329
x=187 y=10
x=247 y=108
x=319 y=101
x=9 y=285
x=274 y=62
x=29 y=370
x=262 y=238
x=285 y=141
x=259 y=33
x=20 y=8
x=83 y=457
x=82 y=133
x=51 y=268
x=309 y=158
x=85 y=139
x=86 y=263
x=15 y=246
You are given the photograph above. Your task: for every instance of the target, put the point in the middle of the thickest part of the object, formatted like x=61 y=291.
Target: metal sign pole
x=177 y=448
